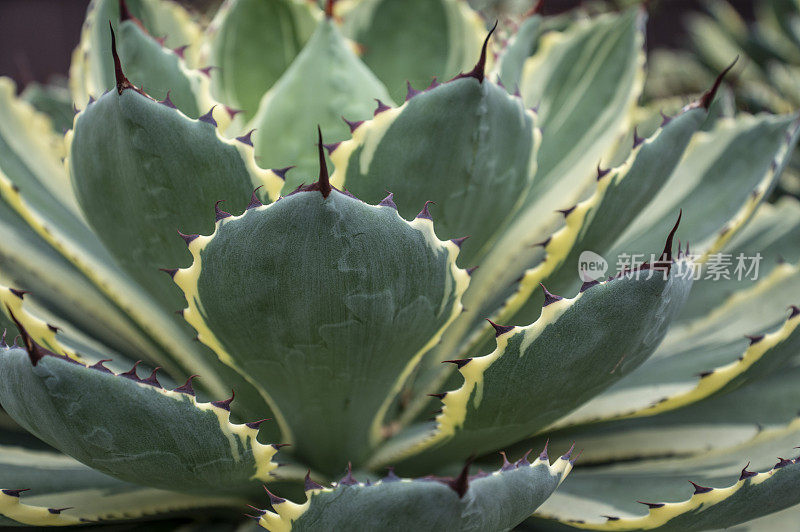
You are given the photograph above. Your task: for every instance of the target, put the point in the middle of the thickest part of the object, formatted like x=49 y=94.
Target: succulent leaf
x=724 y=494
x=150 y=436
x=135 y=192
x=582 y=111
x=91 y=73
x=476 y=179
x=367 y=292
x=520 y=47
x=712 y=359
x=718 y=422
x=326 y=82
x=253 y=42
x=595 y=223
x=486 y=501
x=414 y=40
x=60 y=491
x=577 y=348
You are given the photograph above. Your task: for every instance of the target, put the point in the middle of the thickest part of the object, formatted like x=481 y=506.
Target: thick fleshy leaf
x=577 y=348
x=582 y=111
x=414 y=40
x=142 y=170
x=252 y=43
x=603 y=498
x=715 y=212
x=91 y=72
x=130 y=427
x=719 y=422
x=595 y=223
x=53 y=100
x=486 y=501
x=325 y=82
x=521 y=45
x=29 y=263
x=712 y=356
x=333 y=308
x=162 y=71
x=580 y=124
x=31 y=152
x=42 y=488
x=475 y=178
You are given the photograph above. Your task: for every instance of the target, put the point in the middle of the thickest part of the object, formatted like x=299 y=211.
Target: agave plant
x=769 y=49
x=344 y=316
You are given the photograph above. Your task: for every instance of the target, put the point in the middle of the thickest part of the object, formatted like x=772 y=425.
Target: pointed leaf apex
x=169 y=271
x=602 y=172
x=708 y=96
x=795 y=311
x=329 y=8
x=500 y=329
x=122 y=81
x=479 y=71
x=324 y=179
x=506 y=464
x=637 y=140
x=460 y=484
x=255 y=425
x=666 y=255
x=281 y=172
x=524 y=460
x=588 y=284
x=566 y=212
x=548 y=297
x=754 y=339
x=543 y=455
x=652 y=505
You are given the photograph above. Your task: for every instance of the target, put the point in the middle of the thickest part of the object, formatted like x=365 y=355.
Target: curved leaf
x=325 y=82
x=363 y=294
x=486 y=501
x=414 y=40
x=252 y=42
x=131 y=428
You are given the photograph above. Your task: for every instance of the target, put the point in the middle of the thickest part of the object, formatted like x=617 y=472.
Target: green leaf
x=496 y=501
x=142 y=170
x=718 y=422
x=710 y=358
x=363 y=294
x=576 y=349
x=325 y=82
x=475 y=179
x=59 y=491
x=595 y=223
x=521 y=45
x=52 y=100
x=720 y=182
x=92 y=71
x=253 y=42
x=736 y=495
x=415 y=40
x=147 y=434
x=584 y=81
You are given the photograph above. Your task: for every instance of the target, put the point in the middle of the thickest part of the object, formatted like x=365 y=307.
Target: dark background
x=37 y=36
